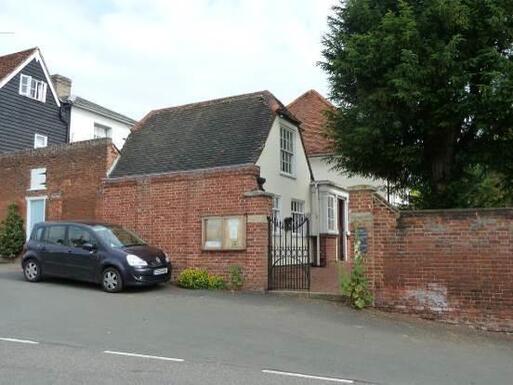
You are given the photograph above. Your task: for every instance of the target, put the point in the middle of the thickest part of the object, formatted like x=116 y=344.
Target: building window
x=224 y=233
x=38 y=179
x=101 y=131
x=297 y=210
x=331 y=213
x=276 y=214
x=32 y=88
x=286 y=151
x=40 y=141
x=276 y=206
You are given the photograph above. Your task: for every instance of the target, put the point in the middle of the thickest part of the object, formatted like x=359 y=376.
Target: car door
x=82 y=262
x=54 y=251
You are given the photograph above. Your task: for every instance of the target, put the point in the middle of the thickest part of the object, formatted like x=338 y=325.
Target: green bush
x=12 y=234
x=355 y=285
x=236 y=277
x=193 y=278
x=216 y=282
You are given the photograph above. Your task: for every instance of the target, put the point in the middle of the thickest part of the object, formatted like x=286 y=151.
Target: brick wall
x=451 y=265
x=167 y=210
x=74 y=175
x=456 y=265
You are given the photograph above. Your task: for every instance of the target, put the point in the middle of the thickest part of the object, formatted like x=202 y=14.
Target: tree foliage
x=425 y=96
x=12 y=235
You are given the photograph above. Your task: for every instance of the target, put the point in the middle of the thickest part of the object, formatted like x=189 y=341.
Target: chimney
x=62 y=85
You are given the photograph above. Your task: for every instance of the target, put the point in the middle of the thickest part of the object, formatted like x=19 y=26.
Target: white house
x=88 y=120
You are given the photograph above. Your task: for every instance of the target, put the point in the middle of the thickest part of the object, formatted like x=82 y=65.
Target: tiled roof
x=96 y=108
x=216 y=133
x=310 y=108
x=8 y=63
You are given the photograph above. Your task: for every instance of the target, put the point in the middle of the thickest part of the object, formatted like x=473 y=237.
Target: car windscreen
x=117 y=237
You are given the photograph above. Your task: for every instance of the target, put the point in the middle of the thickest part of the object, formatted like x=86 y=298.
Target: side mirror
x=88 y=246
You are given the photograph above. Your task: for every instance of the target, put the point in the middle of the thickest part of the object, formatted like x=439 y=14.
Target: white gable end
x=294 y=186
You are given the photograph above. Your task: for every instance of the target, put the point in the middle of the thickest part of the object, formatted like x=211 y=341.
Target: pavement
x=61 y=332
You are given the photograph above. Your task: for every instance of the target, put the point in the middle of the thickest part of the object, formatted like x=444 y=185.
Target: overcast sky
x=134 y=56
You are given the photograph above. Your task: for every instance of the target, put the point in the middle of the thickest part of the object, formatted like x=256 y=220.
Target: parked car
x=96 y=252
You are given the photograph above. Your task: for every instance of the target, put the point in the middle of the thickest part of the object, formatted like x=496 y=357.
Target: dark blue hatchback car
x=95 y=252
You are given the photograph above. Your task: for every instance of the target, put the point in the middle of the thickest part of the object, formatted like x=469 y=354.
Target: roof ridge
x=214 y=101
x=315 y=93
x=76 y=98
x=10 y=62
x=25 y=51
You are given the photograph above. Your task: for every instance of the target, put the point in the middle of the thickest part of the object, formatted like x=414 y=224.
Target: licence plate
x=160 y=271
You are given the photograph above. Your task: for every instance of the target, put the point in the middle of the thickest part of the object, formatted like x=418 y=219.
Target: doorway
x=36 y=212
x=341 y=229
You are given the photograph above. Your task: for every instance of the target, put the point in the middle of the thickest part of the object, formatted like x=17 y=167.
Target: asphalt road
x=58 y=332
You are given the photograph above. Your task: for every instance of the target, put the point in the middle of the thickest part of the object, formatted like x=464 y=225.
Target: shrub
x=193 y=278
x=236 y=277
x=355 y=285
x=216 y=282
x=12 y=234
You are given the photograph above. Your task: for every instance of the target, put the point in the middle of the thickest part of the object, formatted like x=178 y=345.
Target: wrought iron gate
x=289 y=253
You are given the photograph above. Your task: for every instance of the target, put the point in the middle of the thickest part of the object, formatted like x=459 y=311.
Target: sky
x=135 y=56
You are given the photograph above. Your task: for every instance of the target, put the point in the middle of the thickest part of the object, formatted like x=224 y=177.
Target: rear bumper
x=146 y=276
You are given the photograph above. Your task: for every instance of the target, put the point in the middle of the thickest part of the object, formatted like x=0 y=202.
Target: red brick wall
x=452 y=265
x=74 y=175
x=456 y=265
x=167 y=210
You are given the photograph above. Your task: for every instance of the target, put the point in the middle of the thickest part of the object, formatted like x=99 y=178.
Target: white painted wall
x=324 y=171
x=288 y=188
x=82 y=126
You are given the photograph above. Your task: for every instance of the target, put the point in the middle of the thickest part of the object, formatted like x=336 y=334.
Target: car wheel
x=32 y=270
x=111 y=280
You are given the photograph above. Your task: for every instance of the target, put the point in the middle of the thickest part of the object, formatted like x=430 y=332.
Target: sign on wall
x=363 y=237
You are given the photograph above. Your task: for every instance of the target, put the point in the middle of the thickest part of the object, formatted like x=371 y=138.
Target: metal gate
x=289 y=253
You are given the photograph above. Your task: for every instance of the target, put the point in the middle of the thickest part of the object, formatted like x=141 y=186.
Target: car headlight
x=134 y=260
x=166 y=257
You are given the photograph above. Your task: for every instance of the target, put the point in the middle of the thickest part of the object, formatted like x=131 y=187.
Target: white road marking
x=19 y=341
x=144 y=356
x=321 y=378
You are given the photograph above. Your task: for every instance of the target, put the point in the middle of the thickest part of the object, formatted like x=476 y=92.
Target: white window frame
x=35 y=183
x=331 y=219
x=35 y=89
x=106 y=129
x=276 y=210
x=297 y=212
x=25 y=80
x=38 y=137
x=287 y=150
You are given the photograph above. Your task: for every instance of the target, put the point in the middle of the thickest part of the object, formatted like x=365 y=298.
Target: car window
x=37 y=234
x=117 y=237
x=56 y=234
x=77 y=236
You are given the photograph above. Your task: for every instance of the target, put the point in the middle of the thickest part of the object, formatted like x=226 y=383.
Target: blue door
x=35 y=212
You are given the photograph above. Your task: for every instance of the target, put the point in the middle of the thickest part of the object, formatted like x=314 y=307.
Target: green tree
x=425 y=96
x=12 y=235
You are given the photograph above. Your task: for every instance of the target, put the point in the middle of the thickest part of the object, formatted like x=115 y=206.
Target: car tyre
x=112 y=282
x=32 y=270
